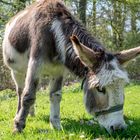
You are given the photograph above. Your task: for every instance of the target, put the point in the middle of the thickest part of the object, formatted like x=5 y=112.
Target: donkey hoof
x=55 y=124
x=18 y=127
x=16 y=131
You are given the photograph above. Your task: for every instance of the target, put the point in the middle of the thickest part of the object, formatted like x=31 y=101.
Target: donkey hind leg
x=19 y=79
x=29 y=94
x=55 y=98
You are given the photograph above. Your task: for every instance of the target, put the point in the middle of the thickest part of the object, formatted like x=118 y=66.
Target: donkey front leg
x=28 y=97
x=55 y=98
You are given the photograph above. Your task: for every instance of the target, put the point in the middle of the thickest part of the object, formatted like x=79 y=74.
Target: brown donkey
x=46 y=38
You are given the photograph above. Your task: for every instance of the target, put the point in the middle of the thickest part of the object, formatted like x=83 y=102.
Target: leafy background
x=116 y=23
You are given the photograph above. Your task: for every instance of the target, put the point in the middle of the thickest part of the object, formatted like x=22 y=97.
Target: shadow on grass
x=45 y=118
x=76 y=127
x=133 y=131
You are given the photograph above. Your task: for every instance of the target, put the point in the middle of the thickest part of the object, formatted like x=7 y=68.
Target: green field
x=74 y=118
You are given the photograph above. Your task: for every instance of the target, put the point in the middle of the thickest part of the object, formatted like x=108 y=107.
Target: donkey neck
x=64 y=25
x=63 y=30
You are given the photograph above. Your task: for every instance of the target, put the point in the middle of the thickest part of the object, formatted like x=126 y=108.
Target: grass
x=74 y=118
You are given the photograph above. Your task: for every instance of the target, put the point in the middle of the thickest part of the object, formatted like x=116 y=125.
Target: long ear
x=127 y=55
x=87 y=56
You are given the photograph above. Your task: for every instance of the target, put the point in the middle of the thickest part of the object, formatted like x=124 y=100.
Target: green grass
x=74 y=118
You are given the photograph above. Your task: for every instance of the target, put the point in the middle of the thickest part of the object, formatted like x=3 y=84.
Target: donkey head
x=104 y=83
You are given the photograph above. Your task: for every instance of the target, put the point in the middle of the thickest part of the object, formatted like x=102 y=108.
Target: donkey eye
x=103 y=90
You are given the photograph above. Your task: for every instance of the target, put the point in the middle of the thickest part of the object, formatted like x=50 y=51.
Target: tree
x=134 y=11
x=82 y=10
x=118 y=23
x=94 y=16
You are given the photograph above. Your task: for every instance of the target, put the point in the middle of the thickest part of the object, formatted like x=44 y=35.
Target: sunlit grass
x=74 y=118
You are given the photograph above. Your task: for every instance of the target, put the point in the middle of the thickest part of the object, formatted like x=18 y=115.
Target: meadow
x=74 y=118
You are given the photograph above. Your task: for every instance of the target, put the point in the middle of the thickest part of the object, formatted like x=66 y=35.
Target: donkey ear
x=87 y=56
x=127 y=55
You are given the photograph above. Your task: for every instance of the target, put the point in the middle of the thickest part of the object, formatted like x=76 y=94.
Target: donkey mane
x=68 y=26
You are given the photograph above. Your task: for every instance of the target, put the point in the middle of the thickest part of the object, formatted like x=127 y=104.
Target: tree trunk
x=94 y=17
x=118 y=23
x=82 y=10
x=133 y=21
x=114 y=21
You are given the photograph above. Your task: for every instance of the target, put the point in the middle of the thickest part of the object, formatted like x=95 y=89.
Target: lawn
x=74 y=118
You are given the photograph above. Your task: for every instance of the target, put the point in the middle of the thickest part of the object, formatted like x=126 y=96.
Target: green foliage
x=115 y=23
x=133 y=1
x=133 y=67
x=132 y=40
x=74 y=118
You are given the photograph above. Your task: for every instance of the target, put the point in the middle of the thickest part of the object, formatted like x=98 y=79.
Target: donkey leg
x=28 y=97
x=19 y=79
x=32 y=110
x=55 y=98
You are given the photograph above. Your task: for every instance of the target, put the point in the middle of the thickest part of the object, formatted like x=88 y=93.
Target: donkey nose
x=116 y=127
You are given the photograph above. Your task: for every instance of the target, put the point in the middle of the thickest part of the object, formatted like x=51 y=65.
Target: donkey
x=46 y=38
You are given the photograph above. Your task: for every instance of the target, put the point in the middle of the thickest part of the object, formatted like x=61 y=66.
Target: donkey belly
x=52 y=69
